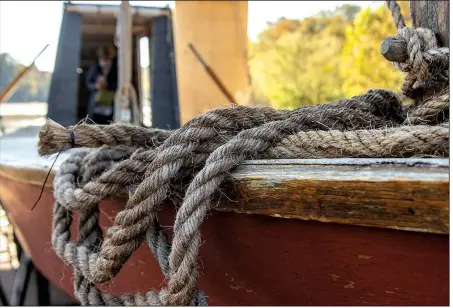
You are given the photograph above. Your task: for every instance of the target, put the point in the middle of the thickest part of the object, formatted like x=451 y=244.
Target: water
x=15 y=116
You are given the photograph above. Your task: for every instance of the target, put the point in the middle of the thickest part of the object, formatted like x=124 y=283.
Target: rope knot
x=415 y=52
x=425 y=61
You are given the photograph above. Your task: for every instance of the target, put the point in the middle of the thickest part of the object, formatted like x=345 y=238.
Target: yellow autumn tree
x=332 y=55
x=296 y=63
x=362 y=65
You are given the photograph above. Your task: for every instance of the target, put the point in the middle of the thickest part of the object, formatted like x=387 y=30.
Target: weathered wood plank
x=434 y=15
x=397 y=194
x=406 y=194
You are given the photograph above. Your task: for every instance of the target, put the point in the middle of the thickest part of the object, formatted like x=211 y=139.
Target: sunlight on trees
x=323 y=58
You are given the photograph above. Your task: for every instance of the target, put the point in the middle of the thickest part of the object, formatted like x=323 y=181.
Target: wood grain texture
x=394 y=195
x=434 y=15
x=405 y=194
x=394 y=49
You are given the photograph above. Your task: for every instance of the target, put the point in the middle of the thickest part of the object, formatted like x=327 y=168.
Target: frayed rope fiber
x=156 y=165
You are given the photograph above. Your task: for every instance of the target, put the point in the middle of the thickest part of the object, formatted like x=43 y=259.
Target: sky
x=27 y=26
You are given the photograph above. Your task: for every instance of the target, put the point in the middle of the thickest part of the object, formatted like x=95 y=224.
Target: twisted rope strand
x=403 y=141
x=177 y=152
x=426 y=62
x=54 y=138
x=395 y=9
x=430 y=112
x=155 y=166
x=249 y=144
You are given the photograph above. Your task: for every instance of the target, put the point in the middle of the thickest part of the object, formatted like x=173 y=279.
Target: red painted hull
x=258 y=260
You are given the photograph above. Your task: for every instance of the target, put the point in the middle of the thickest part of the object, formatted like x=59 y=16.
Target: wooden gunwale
x=404 y=194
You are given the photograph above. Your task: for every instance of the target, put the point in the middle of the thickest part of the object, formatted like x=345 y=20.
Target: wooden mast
x=126 y=94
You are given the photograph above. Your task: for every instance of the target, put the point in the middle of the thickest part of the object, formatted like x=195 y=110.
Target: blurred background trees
x=323 y=58
x=33 y=88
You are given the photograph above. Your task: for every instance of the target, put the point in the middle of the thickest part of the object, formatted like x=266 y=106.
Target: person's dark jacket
x=95 y=71
x=90 y=82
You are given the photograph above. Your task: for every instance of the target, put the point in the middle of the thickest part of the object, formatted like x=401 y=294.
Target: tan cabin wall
x=218 y=30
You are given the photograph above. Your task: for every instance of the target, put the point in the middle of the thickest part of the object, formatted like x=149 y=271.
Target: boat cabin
x=85 y=28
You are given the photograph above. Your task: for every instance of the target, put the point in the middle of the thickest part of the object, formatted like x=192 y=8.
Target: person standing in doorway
x=102 y=82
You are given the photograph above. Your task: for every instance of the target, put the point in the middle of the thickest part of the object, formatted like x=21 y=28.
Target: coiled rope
x=155 y=166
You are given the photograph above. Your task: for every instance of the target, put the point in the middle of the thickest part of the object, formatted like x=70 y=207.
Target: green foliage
x=34 y=87
x=323 y=58
x=362 y=65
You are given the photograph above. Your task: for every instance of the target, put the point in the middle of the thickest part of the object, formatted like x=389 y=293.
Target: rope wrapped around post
x=415 y=52
x=189 y=165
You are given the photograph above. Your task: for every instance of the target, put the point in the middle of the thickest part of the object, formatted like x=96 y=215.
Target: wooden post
x=432 y=15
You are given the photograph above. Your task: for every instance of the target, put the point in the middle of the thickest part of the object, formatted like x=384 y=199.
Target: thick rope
x=369 y=110
x=426 y=61
x=430 y=112
x=395 y=9
x=403 y=141
x=78 y=255
x=185 y=149
x=66 y=189
x=130 y=171
x=189 y=165
x=54 y=138
x=250 y=134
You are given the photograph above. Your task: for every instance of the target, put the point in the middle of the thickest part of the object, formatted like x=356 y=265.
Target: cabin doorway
x=96 y=32
x=85 y=28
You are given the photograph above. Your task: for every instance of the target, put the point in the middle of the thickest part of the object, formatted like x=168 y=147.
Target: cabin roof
x=99 y=23
x=111 y=9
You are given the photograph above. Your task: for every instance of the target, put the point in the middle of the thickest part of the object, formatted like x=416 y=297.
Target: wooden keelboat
x=290 y=232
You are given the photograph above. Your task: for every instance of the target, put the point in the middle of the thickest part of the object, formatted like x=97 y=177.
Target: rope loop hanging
x=189 y=165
